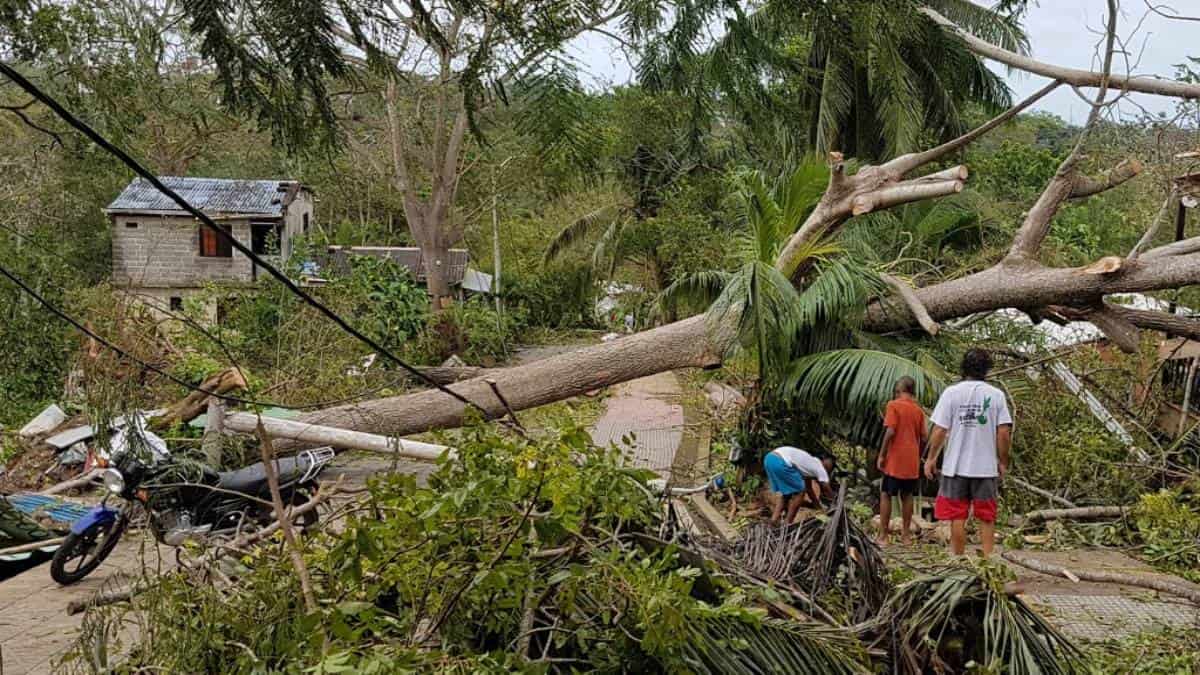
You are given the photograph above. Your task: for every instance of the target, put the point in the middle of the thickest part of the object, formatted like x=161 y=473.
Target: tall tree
x=869 y=78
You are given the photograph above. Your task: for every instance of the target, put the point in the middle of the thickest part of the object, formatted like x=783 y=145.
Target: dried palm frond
x=819 y=555
x=941 y=623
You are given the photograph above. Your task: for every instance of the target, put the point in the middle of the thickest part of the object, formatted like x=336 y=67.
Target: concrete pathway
x=35 y=629
x=645 y=418
x=1087 y=611
x=1090 y=610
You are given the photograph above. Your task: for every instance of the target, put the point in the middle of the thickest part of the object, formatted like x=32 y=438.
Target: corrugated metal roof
x=210 y=195
x=405 y=256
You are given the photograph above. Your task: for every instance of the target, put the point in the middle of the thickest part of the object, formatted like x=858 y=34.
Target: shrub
x=472 y=330
x=556 y=296
x=384 y=299
x=1169 y=527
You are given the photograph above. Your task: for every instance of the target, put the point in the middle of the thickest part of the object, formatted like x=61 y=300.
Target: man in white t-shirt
x=793 y=473
x=973 y=421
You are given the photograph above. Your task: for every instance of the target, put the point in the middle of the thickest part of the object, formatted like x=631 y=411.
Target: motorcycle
x=183 y=501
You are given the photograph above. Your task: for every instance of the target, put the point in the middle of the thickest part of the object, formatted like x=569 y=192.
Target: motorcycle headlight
x=114 y=482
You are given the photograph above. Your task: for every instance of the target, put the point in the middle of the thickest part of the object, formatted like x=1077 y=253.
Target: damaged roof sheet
x=210 y=195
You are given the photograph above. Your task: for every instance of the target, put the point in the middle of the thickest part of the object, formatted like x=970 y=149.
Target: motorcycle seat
x=252 y=480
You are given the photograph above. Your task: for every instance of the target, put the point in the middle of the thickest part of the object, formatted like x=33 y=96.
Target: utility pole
x=496 y=245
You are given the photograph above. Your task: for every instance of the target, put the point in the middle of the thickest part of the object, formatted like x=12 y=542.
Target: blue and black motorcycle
x=183 y=501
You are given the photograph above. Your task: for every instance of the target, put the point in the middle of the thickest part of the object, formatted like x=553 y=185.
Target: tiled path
x=1099 y=611
x=646 y=412
x=34 y=626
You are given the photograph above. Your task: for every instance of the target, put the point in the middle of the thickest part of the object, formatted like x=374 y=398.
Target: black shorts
x=899 y=486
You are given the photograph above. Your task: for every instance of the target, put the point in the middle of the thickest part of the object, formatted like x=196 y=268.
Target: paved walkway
x=34 y=626
x=1100 y=611
x=645 y=418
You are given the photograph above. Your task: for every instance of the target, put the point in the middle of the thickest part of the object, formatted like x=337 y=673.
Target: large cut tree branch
x=1073 y=76
x=1033 y=286
x=1125 y=171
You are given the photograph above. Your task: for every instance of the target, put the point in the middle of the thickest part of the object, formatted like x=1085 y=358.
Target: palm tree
x=806 y=342
x=866 y=77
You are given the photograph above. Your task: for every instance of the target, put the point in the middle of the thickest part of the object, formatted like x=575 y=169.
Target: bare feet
x=882 y=539
x=906 y=539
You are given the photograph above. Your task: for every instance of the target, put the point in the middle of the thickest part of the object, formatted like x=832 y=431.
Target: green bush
x=556 y=296
x=473 y=330
x=461 y=560
x=1168 y=524
x=385 y=301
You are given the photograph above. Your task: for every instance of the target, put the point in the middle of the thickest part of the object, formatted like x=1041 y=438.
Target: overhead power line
x=137 y=168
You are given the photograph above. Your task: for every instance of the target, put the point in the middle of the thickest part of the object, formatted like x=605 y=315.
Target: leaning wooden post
x=1187 y=396
x=214 y=433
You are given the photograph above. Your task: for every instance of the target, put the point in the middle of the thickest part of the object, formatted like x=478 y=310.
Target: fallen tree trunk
x=78 y=482
x=684 y=344
x=1078 y=513
x=690 y=344
x=1161 y=585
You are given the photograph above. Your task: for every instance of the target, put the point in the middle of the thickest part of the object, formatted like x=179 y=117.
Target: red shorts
x=945 y=508
x=959 y=495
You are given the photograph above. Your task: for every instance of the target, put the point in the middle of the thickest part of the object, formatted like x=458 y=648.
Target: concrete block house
x=164 y=255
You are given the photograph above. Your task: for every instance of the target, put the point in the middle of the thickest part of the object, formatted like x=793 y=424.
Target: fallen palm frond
x=731 y=645
x=821 y=554
x=942 y=623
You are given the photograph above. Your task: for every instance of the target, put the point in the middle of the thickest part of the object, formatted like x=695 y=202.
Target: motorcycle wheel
x=80 y=554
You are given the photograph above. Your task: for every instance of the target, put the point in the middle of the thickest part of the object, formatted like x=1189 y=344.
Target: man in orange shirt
x=900 y=457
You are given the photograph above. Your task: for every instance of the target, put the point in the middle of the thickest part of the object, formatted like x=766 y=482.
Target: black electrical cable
x=187 y=321
x=99 y=140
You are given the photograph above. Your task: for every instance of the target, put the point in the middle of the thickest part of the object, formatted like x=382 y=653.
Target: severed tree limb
x=1079 y=513
x=104 y=599
x=1152 y=231
x=906 y=293
x=285 y=524
x=1183 y=247
x=1173 y=325
x=1138 y=580
x=903 y=193
x=1120 y=174
x=1116 y=327
x=905 y=163
x=312 y=434
x=32 y=546
x=78 y=482
x=1073 y=76
x=1043 y=493
x=191 y=406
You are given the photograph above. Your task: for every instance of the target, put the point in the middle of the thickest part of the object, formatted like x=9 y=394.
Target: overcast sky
x=1063 y=32
x=1066 y=32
